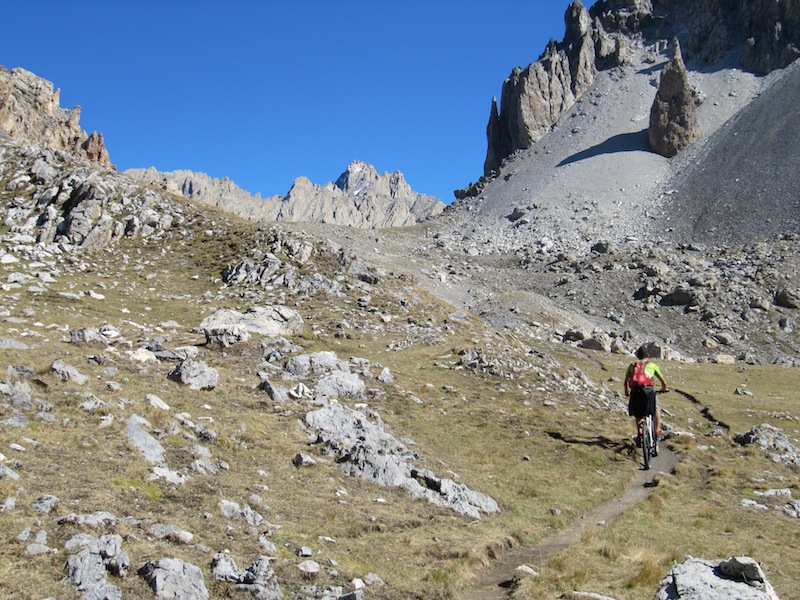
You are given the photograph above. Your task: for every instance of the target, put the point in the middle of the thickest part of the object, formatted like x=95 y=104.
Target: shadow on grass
x=618 y=446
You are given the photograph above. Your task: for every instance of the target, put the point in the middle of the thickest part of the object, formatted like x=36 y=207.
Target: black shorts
x=642 y=402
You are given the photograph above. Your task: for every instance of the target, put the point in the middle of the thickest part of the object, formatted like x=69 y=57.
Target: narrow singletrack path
x=495 y=582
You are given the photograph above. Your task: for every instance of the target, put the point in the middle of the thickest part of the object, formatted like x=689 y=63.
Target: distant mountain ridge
x=360 y=198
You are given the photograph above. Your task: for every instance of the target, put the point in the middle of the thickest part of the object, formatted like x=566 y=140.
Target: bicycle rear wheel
x=647 y=436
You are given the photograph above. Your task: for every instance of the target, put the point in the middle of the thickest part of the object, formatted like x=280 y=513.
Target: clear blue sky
x=265 y=91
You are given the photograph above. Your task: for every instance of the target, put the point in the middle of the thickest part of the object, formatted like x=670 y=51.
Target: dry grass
x=495 y=434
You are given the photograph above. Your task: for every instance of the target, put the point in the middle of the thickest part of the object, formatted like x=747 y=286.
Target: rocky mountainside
x=194 y=406
x=563 y=240
x=360 y=197
x=765 y=34
x=588 y=236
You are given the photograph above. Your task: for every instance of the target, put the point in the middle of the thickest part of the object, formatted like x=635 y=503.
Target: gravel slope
x=745 y=181
x=520 y=254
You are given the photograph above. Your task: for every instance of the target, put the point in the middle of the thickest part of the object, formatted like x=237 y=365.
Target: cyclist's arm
x=657 y=373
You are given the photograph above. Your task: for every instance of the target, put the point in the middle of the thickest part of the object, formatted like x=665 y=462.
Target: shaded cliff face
x=360 y=197
x=534 y=98
x=30 y=112
x=766 y=34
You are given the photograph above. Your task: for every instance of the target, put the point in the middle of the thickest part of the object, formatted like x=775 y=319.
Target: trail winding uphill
x=494 y=583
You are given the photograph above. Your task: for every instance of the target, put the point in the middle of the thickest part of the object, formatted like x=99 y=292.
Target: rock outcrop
x=360 y=197
x=673 y=117
x=627 y=16
x=30 y=112
x=74 y=203
x=366 y=450
x=535 y=97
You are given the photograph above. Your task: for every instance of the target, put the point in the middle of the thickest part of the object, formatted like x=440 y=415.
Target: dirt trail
x=494 y=584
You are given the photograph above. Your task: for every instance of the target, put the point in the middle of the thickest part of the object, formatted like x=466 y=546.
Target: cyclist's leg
x=638 y=424
x=637 y=408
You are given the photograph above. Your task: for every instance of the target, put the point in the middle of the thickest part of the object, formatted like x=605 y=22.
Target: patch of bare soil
x=495 y=583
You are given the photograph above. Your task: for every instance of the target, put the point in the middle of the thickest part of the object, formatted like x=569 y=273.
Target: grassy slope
x=493 y=433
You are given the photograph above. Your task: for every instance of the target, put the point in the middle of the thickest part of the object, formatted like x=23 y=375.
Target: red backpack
x=639 y=378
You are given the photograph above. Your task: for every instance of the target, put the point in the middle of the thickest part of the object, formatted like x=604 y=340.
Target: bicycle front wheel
x=655 y=440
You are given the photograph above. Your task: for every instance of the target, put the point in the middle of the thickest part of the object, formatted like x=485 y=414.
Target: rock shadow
x=624 y=142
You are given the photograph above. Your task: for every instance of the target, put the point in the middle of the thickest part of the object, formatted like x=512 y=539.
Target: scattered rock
x=175 y=579
x=196 y=374
x=773 y=441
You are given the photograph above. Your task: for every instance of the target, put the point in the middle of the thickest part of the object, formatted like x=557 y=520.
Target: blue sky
x=264 y=92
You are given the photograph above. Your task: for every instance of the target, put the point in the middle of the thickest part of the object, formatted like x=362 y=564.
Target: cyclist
x=639 y=386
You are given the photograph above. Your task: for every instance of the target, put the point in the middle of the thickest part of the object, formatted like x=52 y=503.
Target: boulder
x=339 y=384
x=317 y=363
x=175 y=579
x=226 y=336
x=694 y=579
x=773 y=441
x=787 y=298
x=233 y=510
x=278 y=394
x=148 y=446
x=98 y=557
x=196 y=374
x=68 y=372
x=88 y=335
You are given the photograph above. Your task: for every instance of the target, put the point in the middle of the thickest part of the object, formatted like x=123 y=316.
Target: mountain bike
x=648 y=440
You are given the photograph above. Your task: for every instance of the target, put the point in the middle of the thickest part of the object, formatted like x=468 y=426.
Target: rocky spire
x=673 y=117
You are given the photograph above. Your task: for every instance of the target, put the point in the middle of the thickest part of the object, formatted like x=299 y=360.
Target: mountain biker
x=639 y=386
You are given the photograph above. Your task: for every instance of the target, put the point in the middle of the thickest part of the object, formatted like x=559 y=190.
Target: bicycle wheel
x=646 y=441
x=654 y=438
